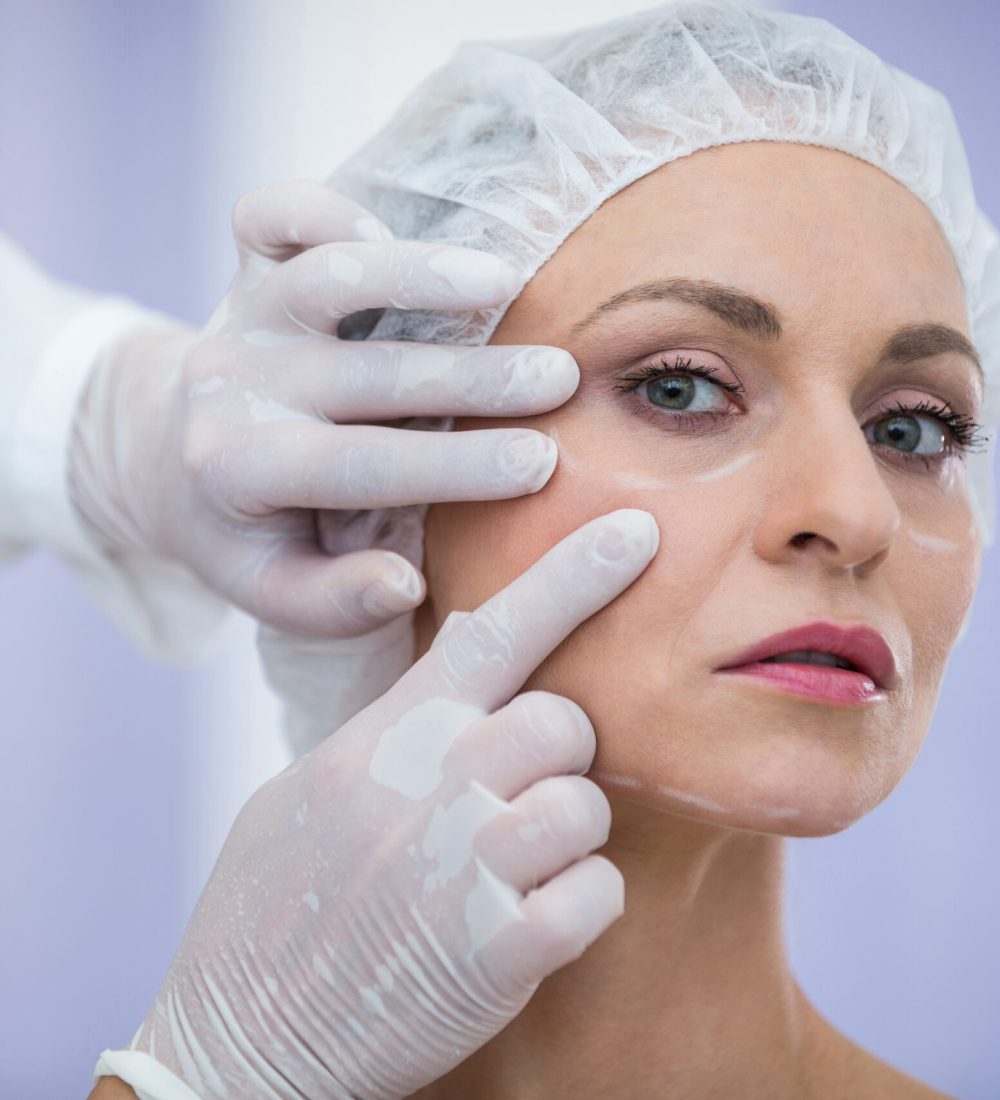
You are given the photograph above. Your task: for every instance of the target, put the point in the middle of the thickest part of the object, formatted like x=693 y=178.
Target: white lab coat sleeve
x=50 y=336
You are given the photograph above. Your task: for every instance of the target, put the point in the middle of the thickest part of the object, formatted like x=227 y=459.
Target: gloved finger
x=306 y=464
x=303 y=591
x=384 y=381
x=488 y=656
x=279 y=220
x=537 y=734
x=550 y=826
x=559 y=921
x=326 y=283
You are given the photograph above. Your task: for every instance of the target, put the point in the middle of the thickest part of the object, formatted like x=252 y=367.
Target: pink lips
x=861 y=646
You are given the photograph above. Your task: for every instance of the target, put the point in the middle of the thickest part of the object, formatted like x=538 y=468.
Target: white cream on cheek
x=631 y=480
x=934 y=543
x=731 y=468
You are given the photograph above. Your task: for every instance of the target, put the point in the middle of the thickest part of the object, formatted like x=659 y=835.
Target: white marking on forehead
x=343 y=268
x=695 y=800
x=409 y=753
x=724 y=471
x=932 y=542
x=567 y=463
x=311 y=900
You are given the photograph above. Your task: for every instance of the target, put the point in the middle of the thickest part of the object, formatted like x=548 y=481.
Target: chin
x=778 y=777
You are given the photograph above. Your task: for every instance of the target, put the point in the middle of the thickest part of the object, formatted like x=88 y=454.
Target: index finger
x=320 y=287
x=485 y=658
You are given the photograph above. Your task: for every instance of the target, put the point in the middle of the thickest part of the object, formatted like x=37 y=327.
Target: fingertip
x=398 y=589
x=627 y=533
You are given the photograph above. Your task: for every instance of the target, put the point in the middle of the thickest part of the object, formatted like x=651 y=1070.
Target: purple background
x=101 y=125
x=108 y=122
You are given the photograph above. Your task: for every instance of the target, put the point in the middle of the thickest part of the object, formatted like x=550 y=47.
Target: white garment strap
x=147 y=1078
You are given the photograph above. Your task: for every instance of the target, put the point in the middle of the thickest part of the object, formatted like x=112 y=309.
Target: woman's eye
x=911 y=434
x=684 y=392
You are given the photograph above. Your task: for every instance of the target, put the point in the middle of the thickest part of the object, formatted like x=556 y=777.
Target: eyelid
x=699 y=357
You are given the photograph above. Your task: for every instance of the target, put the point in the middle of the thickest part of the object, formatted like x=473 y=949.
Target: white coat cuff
x=147 y=1078
x=44 y=424
x=165 y=610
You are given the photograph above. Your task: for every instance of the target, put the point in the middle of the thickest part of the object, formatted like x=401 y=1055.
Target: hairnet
x=512 y=145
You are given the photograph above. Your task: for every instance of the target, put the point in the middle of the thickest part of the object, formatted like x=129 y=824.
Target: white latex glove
x=217 y=449
x=390 y=901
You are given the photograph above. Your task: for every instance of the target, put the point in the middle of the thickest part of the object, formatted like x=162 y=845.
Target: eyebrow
x=735 y=307
x=752 y=315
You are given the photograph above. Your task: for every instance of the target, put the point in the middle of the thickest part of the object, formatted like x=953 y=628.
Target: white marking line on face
x=616 y=780
x=566 y=462
x=778 y=811
x=695 y=800
x=409 y=753
x=932 y=542
x=641 y=481
x=725 y=471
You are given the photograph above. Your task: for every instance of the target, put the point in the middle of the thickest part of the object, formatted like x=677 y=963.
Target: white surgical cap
x=512 y=145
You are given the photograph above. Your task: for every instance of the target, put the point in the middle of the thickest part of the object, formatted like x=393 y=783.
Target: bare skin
x=802 y=517
x=111 y=1088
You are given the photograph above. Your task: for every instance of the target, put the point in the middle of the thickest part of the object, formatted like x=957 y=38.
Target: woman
x=760 y=244
x=726 y=366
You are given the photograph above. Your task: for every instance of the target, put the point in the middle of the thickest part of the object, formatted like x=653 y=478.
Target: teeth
x=809 y=657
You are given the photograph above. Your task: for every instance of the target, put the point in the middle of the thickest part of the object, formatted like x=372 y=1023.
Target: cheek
x=635 y=646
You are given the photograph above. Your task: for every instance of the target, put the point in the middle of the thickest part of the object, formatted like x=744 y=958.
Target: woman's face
x=780 y=495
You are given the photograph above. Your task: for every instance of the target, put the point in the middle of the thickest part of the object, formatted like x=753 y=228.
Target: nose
x=825 y=494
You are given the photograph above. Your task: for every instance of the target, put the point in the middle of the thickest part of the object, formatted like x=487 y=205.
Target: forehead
x=827 y=237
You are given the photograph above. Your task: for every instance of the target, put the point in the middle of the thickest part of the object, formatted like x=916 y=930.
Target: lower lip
x=833 y=685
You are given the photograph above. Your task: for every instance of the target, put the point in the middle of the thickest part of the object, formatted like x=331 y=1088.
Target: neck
x=689 y=993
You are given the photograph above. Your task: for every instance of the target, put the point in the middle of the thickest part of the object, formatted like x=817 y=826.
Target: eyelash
x=964 y=431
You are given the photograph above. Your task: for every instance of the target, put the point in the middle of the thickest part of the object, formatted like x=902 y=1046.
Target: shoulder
x=840 y=1067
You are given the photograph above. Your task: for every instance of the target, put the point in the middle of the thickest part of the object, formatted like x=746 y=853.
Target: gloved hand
x=391 y=900
x=216 y=449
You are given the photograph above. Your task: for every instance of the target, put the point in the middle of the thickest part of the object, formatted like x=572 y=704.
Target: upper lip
x=865 y=648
